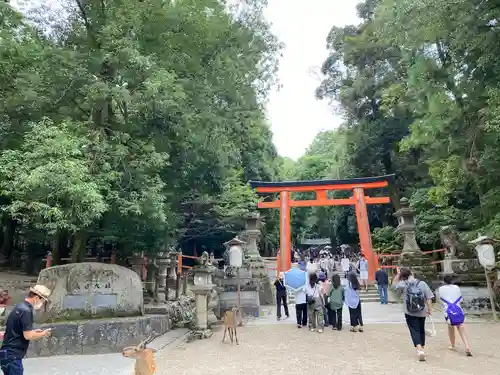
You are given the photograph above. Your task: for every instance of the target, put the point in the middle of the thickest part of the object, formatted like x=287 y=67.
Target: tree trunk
x=79 y=247
x=9 y=232
x=56 y=247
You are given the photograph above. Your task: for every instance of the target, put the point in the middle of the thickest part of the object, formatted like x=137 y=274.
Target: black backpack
x=414 y=298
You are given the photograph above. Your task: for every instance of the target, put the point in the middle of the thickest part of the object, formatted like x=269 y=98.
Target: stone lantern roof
x=406 y=216
x=234 y=242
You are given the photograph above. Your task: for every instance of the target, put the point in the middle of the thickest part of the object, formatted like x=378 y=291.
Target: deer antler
x=132 y=351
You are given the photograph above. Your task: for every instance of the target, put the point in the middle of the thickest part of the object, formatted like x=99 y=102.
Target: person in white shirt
x=311 y=267
x=301 y=307
x=363 y=271
x=451 y=294
x=345 y=264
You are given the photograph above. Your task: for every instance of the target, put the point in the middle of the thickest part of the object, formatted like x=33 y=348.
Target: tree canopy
x=132 y=125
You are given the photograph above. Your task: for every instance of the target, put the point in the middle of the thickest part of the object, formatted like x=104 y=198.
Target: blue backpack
x=454 y=312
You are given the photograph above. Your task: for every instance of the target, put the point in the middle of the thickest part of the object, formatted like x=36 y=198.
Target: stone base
x=266 y=294
x=181 y=312
x=200 y=334
x=250 y=304
x=420 y=265
x=99 y=336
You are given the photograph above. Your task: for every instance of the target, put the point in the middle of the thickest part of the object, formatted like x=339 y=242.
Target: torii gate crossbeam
x=320 y=188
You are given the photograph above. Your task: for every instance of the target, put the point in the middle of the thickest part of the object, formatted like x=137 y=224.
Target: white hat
x=41 y=291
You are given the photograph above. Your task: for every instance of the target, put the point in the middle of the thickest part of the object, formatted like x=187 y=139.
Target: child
x=451 y=297
x=336 y=298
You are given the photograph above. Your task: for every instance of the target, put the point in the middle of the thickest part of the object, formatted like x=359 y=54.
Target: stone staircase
x=371 y=295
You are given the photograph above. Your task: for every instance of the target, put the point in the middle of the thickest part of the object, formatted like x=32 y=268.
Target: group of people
x=320 y=302
x=418 y=306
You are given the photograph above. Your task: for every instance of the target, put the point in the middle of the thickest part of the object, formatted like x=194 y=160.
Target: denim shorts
x=12 y=366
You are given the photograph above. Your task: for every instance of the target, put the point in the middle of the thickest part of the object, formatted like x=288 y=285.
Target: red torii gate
x=320 y=188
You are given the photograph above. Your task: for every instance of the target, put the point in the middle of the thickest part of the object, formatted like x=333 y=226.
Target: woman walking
x=315 y=304
x=336 y=298
x=354 y=302
x=417 y=306
x=451 y=296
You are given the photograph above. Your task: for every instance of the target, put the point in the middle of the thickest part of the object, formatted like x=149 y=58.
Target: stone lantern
x=202 y=287
x=406 y=226
x=236 y=261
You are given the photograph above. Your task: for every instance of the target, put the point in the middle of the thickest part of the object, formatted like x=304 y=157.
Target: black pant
x=301 y=311
x=416 y=325
x=355 y=315
x=335 y=318
x=281 y=298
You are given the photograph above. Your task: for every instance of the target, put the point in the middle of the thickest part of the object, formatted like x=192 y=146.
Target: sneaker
x=421 y=356
x=334 y=329
x=299 y=326
x=360 y=329
x=278 y=318
x=312 y=329
x=320 y=331
x=353 y=329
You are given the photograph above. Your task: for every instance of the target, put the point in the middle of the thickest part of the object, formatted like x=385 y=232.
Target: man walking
x=382 y=280
x=19 y=330
x=417 y=306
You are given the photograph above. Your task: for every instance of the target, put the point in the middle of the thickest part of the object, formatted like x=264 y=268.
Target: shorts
x=453 y=325
x=363 y=275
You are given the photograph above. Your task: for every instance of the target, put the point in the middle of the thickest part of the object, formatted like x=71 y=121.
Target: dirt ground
x=381 y=349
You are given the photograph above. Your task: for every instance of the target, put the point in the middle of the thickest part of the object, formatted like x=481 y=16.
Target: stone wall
x=101 y=336
x=249 y=299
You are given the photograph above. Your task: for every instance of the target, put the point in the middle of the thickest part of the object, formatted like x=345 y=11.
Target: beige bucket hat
x=41 y=291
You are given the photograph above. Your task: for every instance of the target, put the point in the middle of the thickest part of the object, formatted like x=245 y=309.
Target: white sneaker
x=421 y=356
x=312 y=329
x=320 y=331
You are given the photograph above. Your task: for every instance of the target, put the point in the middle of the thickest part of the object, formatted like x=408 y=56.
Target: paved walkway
x=271 y=347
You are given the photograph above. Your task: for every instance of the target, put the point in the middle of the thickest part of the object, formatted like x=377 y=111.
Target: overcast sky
x=293 y=112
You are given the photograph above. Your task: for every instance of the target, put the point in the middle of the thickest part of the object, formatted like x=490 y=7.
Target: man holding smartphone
x=19 y=330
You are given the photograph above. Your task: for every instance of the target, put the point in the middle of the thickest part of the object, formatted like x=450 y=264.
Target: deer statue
x=145 y=362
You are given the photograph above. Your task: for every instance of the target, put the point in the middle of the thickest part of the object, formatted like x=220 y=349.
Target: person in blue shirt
x=19 y=330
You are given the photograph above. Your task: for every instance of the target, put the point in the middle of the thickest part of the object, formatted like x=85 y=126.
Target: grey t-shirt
x=422 y=285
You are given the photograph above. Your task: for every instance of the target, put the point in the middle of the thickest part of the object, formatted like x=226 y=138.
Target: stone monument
x=91 y=290
x=411 y=256
x=202 y=288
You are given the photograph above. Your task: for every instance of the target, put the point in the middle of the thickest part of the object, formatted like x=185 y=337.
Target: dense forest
x=131 y=125
x=417 y=83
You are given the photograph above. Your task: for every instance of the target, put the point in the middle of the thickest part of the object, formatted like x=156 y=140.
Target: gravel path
x=271 y=347
x=381 y=349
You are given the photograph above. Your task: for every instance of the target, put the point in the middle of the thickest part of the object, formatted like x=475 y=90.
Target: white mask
x=38 y=304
